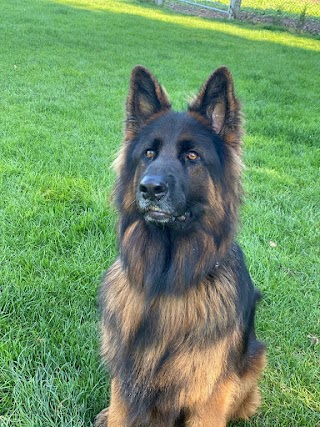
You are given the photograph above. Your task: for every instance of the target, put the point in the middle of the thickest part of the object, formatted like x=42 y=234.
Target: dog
x=178 y=304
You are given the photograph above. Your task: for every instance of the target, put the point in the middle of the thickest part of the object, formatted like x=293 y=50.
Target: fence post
x=234 y=9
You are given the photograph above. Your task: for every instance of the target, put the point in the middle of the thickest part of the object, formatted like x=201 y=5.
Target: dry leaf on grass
x=314 y=340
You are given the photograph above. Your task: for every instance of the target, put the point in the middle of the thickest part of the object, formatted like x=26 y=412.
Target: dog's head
x=177 y=167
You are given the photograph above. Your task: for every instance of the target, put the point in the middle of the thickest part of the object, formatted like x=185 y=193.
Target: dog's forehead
x=176 y=126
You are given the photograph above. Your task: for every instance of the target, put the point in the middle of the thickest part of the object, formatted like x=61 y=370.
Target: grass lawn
x=64 y=76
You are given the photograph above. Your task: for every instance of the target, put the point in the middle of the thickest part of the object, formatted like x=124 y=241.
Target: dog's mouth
x=156 y=215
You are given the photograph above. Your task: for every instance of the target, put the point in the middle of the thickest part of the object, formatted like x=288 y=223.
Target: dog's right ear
x=146 y=98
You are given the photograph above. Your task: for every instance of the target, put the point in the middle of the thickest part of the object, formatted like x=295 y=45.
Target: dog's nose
x=153 y=187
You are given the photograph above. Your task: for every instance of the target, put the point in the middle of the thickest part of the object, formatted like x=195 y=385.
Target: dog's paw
x=102 y=419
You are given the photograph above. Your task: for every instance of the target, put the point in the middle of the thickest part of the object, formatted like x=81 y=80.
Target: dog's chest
x=172 y=347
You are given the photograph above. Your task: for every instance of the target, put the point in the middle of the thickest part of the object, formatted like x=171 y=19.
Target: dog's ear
x=146 y=98
x=216 y=101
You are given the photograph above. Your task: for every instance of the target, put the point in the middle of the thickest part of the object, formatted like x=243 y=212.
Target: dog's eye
x=192 y=155
x=150 y=154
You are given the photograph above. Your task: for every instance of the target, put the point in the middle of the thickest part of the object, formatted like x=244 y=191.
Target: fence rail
x=229 y=7
x=206 y=6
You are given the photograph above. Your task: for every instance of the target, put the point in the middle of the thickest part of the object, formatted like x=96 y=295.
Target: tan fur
x=182 y=314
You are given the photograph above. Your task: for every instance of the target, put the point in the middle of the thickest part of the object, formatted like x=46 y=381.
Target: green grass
x=64 y=76
x=286 y=6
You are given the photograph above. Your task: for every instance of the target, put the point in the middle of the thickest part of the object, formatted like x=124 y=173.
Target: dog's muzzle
x=153 y=187
x=155 y=201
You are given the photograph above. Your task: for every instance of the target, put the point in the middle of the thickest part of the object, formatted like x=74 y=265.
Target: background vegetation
x=286 y=6
x=65 y=67
x=289 y=6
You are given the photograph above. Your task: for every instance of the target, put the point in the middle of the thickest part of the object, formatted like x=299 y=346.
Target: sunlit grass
x=197 y=23
x=287 y=6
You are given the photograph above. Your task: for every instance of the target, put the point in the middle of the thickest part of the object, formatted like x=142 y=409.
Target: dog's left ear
x=216 y=101
x=146 y=98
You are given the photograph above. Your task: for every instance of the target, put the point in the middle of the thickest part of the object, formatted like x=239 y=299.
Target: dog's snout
x=153 y=187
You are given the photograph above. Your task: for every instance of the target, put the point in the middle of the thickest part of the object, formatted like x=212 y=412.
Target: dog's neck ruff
x=161 y=261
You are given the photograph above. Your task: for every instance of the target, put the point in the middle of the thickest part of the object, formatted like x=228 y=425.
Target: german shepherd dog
x=178 y=304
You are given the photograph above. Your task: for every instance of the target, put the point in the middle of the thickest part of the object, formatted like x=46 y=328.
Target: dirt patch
x=303 y=25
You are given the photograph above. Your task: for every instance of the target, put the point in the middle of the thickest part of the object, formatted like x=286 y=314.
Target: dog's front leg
x=117 y=413
x=214 y=412
x=205 y=416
